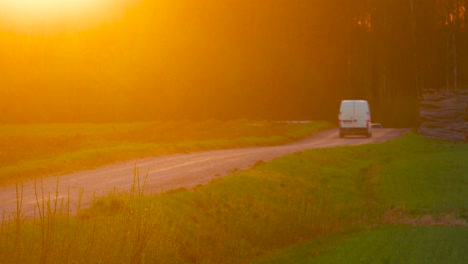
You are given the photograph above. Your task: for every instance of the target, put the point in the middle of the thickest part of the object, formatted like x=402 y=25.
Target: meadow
x=34 y=150
x=403 y=201
x=419 y=191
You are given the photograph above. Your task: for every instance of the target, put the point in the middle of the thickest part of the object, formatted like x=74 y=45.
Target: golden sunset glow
x=46 y=8
x=34 y=12
x=138 y=60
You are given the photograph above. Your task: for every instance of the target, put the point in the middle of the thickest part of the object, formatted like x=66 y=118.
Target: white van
x=355 y=118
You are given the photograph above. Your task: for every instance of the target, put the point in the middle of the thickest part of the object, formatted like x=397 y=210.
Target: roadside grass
x=430 y=179
x=29 y=151
x=385 y=244
x=403 y=244
x=125 y=225
x=419 y=188
x=312 y=203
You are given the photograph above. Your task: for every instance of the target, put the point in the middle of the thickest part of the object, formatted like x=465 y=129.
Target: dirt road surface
x=166 y=172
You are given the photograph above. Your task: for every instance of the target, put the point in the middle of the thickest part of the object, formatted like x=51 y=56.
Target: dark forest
x=263 y=59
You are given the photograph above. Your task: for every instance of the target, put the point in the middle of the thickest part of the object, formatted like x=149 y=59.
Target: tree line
x=229 y=59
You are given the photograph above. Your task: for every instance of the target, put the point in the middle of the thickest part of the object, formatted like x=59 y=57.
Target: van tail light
x=367 y=121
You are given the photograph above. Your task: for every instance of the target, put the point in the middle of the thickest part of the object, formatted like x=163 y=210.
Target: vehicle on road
x=354 y=118
x=376 y=125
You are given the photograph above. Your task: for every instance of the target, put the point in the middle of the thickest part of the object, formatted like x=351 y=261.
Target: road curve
x=167 y=172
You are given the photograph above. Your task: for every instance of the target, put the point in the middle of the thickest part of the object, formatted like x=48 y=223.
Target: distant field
x=28 y=151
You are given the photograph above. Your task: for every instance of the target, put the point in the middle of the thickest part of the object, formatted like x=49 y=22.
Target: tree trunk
x=455 y=72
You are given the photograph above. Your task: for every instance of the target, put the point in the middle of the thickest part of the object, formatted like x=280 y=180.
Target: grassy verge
x=313 y=201
x=420 y=191
x=28 y=151
x=385 y=244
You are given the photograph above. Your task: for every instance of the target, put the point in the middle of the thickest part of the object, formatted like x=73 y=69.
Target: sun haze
x=27 y=13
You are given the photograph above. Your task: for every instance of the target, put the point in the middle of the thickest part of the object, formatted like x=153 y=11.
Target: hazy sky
x=50 y=15
x=72 y=60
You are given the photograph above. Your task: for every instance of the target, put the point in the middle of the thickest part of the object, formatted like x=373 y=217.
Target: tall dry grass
x=123 y=228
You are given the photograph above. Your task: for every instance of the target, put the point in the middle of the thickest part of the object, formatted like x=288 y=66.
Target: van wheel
x=342 y=135
x=368 y=135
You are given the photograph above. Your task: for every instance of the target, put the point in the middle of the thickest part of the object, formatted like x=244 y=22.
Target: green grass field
x=360 y=204
x=385 y=244
x=28 y=151
x=419 y=188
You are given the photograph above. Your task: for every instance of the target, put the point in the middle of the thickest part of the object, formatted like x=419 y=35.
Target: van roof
x=354 y=100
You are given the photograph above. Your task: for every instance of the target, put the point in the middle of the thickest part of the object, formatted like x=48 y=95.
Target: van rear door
x=361 y=114
x=347 y=114
x=354 y=118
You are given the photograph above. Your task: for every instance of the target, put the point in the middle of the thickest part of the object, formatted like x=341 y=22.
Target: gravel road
x=169 y=172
